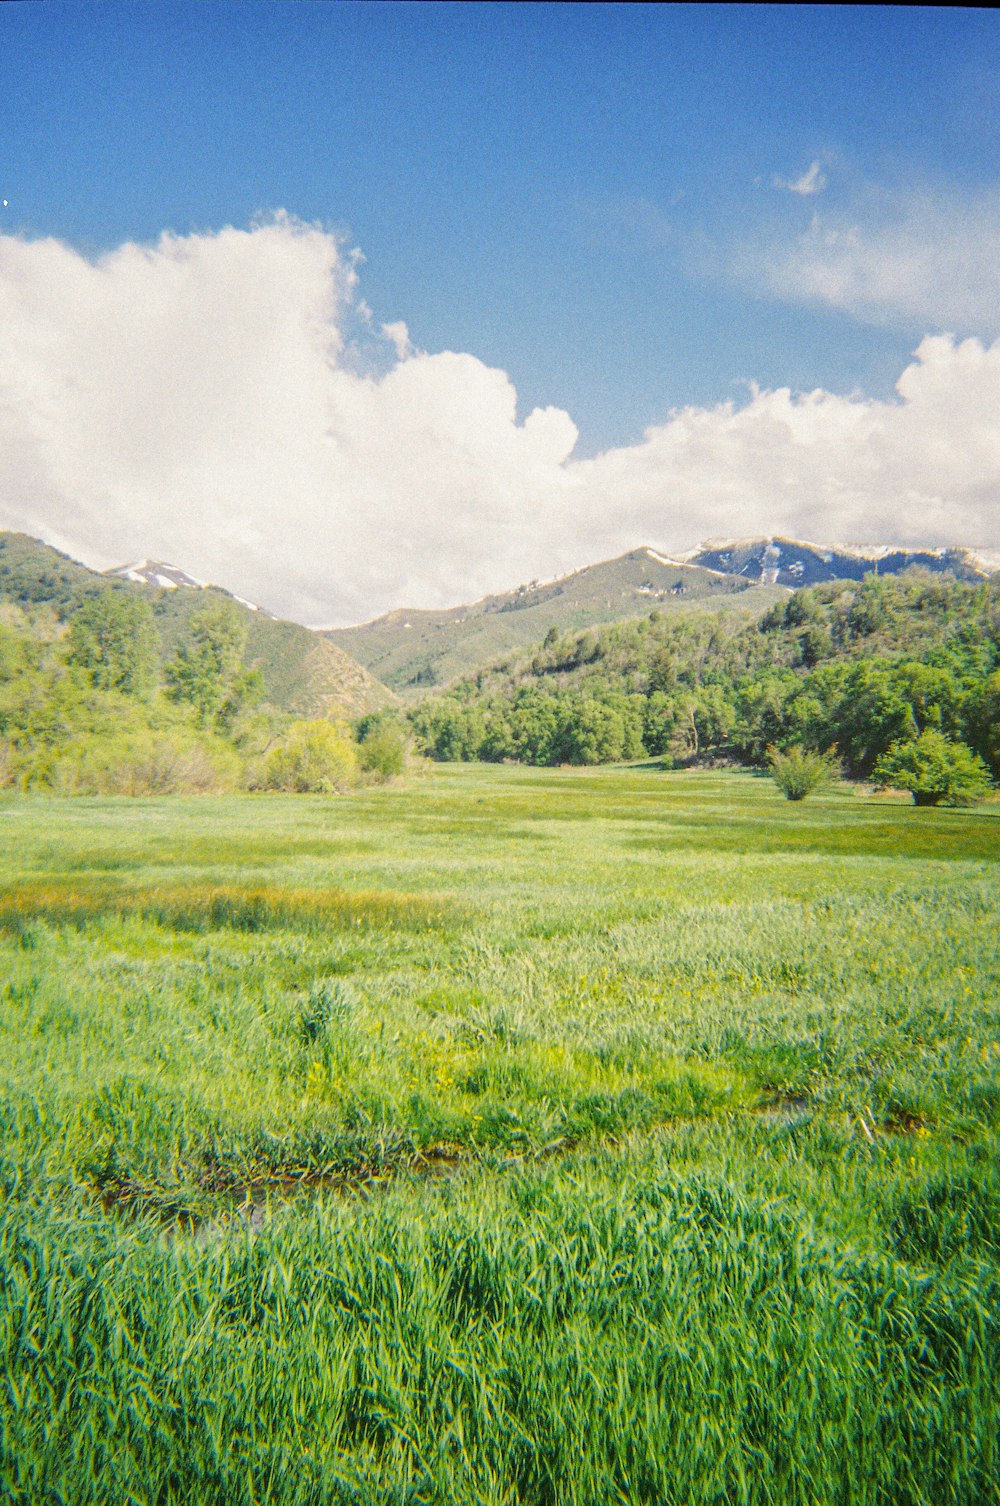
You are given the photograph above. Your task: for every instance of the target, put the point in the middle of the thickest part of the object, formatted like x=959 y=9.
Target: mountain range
x=348 y=671
x=410 y=650
x=790 y=562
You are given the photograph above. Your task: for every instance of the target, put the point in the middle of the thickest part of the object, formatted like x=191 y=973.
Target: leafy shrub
x=146 y=763
x=934 y=769
x=797 y=771
x=383 y=752
x=313 y=757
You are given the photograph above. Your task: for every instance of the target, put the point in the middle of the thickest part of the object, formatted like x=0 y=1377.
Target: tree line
x=846 y=668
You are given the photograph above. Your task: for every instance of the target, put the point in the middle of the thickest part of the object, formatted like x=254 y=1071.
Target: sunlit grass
x=715 y=1081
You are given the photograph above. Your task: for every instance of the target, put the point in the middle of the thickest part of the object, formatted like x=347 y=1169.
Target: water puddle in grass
x=226 y=1207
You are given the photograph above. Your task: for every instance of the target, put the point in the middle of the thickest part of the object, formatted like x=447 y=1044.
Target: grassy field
x=553 y=1136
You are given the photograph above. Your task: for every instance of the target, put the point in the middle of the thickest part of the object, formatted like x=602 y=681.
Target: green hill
x=853 y=666
x=303 y=672
x=413 y=650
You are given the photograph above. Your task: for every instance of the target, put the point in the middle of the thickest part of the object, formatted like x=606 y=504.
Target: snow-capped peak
x=157 y=573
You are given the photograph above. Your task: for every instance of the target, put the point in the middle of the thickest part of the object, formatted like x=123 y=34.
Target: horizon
x=365 y=305
x=982 y=557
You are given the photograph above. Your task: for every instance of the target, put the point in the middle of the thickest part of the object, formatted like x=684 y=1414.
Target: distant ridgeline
x=299 y=670
x=854 y=666
x=788 y=562
x=111 y=684
x=412 y=650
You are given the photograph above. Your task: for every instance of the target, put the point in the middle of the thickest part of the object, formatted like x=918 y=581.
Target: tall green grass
x=667 y=1329
x=601 y=1136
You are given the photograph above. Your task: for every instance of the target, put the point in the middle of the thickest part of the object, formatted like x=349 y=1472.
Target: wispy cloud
x=196 y=401
x=399 y=338
x=812 y=181
x=904 y=259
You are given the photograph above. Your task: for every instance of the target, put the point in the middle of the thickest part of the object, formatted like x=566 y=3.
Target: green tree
x=981 y=719
x=714 y=716
x=113 y=639
x=761 y=717
x=872 y=713
x=593 y=732
x=208 y=672
x=934 y=769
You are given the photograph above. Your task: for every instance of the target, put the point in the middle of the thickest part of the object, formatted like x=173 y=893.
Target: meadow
x=550 y=1136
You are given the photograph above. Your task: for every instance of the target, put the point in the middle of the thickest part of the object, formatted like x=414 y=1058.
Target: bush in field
x=797 y=771
x=934 y=769
x=383 y=752
x=146 y=762
x=313 y=758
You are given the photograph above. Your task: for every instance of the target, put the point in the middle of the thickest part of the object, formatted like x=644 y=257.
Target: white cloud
x=812 y=181
x=922 y=469
x=195 y=401
x=399 y=337
x=896 y=259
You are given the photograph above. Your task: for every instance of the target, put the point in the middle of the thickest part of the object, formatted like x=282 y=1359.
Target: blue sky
x=627 y=210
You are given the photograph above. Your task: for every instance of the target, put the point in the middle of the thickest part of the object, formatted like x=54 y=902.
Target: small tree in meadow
x=798 y=771
x=934 y=769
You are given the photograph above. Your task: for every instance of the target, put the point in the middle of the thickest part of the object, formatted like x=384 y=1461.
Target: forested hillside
x=853 y=667
x=109 y=688
x=412 y=650
x=299 y=671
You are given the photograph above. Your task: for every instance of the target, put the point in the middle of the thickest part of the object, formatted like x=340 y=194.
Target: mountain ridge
x=775 y=559
x=408 y=651
x=412 y=650
x=415 y=649
x=302 y=674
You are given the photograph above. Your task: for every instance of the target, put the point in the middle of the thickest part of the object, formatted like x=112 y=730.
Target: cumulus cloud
x=812 y=181
x=195 y=401
x=924 y=468
x=895 y=259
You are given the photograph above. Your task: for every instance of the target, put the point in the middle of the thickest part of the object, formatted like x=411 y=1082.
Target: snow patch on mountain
x=678 y=561
x=774 y=560
x=157 y=573
x=171 y=578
